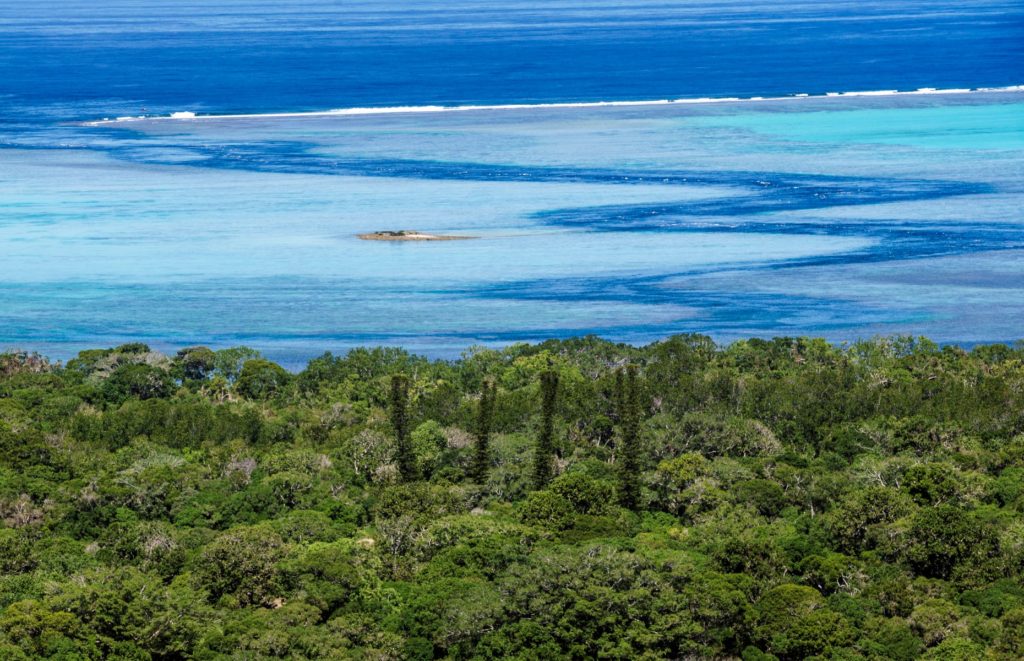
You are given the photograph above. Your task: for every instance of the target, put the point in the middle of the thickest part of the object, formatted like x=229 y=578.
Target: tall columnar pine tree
x=485 y=417
x=630 y=414
x=545 y=451
x=618 y=396
x=405 y=456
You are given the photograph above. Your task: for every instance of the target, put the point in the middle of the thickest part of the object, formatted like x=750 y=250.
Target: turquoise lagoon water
x=630 y=222
x=839 y=216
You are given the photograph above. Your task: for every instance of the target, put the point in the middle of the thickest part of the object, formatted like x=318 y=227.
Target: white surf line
x=395 y=110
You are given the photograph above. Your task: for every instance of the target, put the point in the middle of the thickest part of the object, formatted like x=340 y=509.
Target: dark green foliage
x=890 y=638
x=791 y=622
x=586 y=494
x=484 y=422
x=1011 y=640
x=764 y=495
x=132 y=348
x=137 y=381
x=996 y=598
x=399 y=410
x=932 y=483
x=590 y=602
x=544 y=453
x=261 y=379
x=242 y=563
x=630 y=415
x=859 y=521
x=196 y=363
x=785 y=499
x=940 y=538
x=547 y=509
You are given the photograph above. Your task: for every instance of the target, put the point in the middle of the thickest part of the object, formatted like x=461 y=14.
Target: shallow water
x=838 y=216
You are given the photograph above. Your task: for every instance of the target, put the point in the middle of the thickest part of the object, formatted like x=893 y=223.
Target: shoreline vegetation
x=410 y=235
x=766 y=500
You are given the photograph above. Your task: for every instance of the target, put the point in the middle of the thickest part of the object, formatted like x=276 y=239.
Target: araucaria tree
x=630 y=413
x=618 y=395
x=404 y=454
x=485 y=417
x=546 y=440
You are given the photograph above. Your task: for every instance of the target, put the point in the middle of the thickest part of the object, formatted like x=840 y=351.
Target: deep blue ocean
x=841 y=216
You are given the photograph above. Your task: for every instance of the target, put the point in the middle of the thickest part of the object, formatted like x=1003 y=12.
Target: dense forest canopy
x=782 y=499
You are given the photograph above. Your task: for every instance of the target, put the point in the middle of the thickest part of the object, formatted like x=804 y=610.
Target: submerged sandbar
x=410 y=235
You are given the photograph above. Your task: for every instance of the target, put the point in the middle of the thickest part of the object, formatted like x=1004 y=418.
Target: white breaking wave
x=342 y=112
